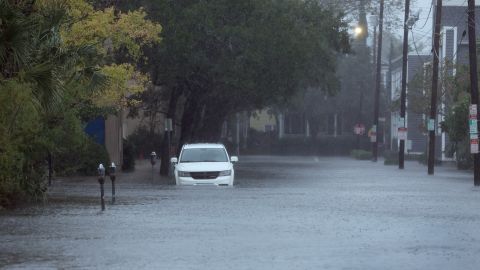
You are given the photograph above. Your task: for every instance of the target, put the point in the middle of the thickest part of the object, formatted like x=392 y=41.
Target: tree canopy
x=58 y=69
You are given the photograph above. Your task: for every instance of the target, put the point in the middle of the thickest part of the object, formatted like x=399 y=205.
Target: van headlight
x=225 y=173
x=183 y=174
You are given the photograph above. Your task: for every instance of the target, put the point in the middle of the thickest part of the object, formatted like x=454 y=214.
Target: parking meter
x=112 y=174
x=153 y=157
x=101 y=174
x=101 y=180
x=153 y=160
x=112 y=170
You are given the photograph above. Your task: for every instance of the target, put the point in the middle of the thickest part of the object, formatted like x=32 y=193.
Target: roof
x=203 y=145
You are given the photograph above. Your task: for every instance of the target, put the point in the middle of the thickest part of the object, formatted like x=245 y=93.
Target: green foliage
x=361 y=154
x=128 y=164
x=55 y=61
x=81 y=158
x=456 y=120
x=92 y=155
x=391 y=158
x=463 y=155
x=144 y=141
x=230 y=56
x=21 y=144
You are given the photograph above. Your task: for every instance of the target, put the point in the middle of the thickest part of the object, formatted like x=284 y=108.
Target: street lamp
x=358 y=31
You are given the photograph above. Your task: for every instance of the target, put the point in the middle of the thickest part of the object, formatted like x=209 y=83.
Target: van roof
x=203 y=145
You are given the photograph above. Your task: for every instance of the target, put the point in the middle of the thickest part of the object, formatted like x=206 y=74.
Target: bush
x=463 y=155
x=128 y=156
x=391 y=157
x=83 y=159
x=22 y=146
x=94 y=155
x=423 y=159
x=143 y=142
x=361 y=154
x=259 y=142
x=325 y=146
x=293 y=146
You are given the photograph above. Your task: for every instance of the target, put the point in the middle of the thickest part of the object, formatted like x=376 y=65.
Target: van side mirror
x=173 y=160
x=234 y=159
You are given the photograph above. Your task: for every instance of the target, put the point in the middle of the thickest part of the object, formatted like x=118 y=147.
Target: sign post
x=473 y=126
x=168 y=129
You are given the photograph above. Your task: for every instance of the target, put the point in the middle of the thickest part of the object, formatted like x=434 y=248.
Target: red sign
x=474 y=146
x=359 y=129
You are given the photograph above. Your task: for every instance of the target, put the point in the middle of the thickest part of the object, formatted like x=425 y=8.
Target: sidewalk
x=85 y=185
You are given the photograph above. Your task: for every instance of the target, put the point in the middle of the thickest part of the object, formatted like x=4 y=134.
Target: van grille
x=204 y=175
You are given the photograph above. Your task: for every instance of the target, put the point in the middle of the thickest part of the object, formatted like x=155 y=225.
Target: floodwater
x=283 y=213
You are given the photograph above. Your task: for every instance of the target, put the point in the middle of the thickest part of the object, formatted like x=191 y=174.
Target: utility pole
x=474 y=113
x=374 y=43
x=377 y=85
x=433 y=102
x=403 y=95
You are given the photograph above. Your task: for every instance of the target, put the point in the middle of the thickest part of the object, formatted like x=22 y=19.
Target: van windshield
x=204 y=155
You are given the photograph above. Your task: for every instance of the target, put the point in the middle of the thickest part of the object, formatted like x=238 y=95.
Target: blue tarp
x=96 y=130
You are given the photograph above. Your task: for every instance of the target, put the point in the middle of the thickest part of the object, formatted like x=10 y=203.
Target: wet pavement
x=283 y=213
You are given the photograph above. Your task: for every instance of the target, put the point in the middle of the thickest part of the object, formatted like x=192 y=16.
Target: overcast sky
x=422 y=30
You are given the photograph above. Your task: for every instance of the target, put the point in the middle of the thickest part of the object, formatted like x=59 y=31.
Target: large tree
x=220 y=57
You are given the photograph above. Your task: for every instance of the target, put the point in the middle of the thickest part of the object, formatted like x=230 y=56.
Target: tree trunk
x=190 y=113
x=211 y=124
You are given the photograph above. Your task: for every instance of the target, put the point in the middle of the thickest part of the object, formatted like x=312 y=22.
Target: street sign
x=168 y=124
x=473 y=111
x=359 y=129
x=372 y=133
x=402 y=133
x=431 y=124
x=472 y=123
x=473 y=126
x=474 y=146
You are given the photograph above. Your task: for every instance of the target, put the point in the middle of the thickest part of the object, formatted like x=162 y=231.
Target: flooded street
x=283 y=213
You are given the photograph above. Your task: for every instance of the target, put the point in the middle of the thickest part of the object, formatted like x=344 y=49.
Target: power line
x=415 y=44
x=428 y=16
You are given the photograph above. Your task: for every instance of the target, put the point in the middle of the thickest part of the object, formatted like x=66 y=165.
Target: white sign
x=359 y=129
x=402 y=133
x=401 y=122
x=372 y=133
x=473 y=111
x=474 y=143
